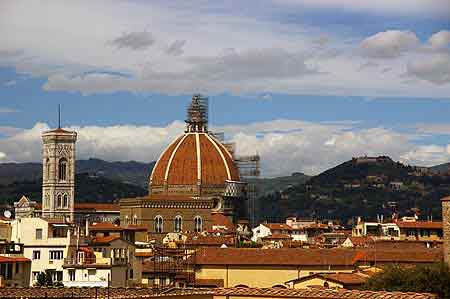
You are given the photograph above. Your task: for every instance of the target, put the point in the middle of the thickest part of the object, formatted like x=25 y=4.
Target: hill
x=361 y=187
x=270 y=185
x=88 y=189
x=131 y=172
x=441 y=168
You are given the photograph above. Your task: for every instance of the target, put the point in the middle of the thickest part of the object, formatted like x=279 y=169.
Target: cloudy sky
x=307 y=84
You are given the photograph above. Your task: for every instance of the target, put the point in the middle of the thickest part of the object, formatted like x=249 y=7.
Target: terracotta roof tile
x=282 y=256
x=299 y=293
x=236 y=292
x=361 y=241
x=104 y=240
x=430 y=255
x=420 y=224
x=10 y=259
x=180 y=162
x=277 y=236
x=221 y=220
x=277 y=226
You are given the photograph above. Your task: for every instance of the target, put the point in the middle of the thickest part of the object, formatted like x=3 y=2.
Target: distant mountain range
x=353 y=188
x=131 y=172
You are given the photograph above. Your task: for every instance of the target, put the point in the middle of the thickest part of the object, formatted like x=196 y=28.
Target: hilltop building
x=194 y=178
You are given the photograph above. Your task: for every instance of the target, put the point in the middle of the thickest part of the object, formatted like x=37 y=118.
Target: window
x=135 y=219
x=56 y=275
x=65 y=201
x=197 y=224
x=36 y=254
x=158 y=224
x=72 y=274
x=17 y=268
x=38 y=233
x=47 y=169
x=56 y=254
x=35 y=275
x=59 y=201
x=131 y=273
x=178 y=224
x=62 y=169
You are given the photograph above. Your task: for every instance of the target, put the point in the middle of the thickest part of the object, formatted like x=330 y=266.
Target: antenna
x=59 y=116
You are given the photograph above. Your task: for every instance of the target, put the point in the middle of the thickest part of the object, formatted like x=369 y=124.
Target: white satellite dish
x=7 y=214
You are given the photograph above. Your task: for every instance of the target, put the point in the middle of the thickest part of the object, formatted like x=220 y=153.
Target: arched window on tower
x=59 y=201
x=65 y=201
x=47 y=169
x=62 y=169
x=178 y=223
x=159 y=224
x=198 y=224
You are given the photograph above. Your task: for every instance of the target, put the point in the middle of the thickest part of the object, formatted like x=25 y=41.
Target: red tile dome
x=195 y=163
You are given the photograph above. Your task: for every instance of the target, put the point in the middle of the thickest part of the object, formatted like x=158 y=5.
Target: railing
x=94 y=261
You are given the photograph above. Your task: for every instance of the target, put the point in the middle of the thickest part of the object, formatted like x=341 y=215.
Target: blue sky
x=311 y=83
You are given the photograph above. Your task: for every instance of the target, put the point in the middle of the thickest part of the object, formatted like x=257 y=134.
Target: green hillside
x=88 y=189
x=360 y=189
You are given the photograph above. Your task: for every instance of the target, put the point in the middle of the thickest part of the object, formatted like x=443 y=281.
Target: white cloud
x=389 y=44
x=285 y=146
x=8 y=110
x=10 y=83
x=434 y=69
x=440 y=40
x=231 y=47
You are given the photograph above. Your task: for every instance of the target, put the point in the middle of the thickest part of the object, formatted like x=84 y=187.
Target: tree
x=422 y=279
x=44 y=279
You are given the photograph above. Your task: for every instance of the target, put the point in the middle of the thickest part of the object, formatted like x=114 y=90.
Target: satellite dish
x=7 y=214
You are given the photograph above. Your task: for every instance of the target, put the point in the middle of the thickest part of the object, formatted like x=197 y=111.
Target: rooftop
x=237 y=292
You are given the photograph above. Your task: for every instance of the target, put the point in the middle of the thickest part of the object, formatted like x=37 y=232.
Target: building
x=420 y=230
x=58 y=179
x=194 y=178
x=265 y=268
x=446 y=228
x=329 y=280
x=45 y=243
x=14 y=267
x=388 y=230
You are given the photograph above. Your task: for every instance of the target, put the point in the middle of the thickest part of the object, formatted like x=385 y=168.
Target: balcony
x=94 y=262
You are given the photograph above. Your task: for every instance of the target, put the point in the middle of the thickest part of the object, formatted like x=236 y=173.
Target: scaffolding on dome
x=198 y=110
x=249 y=171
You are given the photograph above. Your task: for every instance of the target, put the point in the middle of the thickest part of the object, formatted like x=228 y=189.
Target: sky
x=307 y=84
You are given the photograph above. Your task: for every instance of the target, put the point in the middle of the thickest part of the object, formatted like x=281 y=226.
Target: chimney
x=446 y=228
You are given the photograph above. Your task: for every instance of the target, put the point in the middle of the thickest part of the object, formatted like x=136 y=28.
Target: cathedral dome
x=196 y=163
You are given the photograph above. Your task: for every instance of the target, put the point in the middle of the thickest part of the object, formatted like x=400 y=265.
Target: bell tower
x=446 y=228
x=58 y=177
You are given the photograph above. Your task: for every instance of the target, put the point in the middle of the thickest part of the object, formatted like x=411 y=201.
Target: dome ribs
x=191 y=159
x=183 y=169
x=159 y=171
x=234 y=173
x=214 y=171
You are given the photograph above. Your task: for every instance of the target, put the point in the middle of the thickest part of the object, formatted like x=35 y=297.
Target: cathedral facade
x=193 y=179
